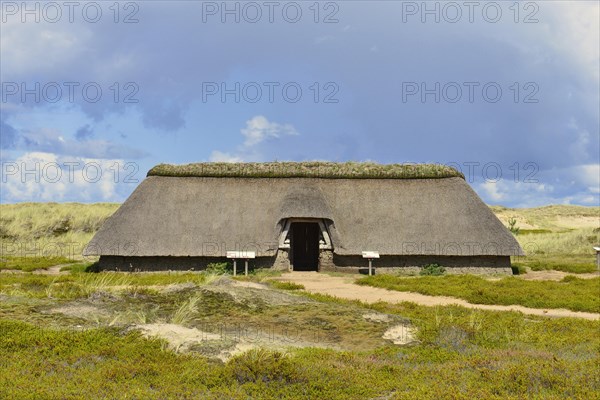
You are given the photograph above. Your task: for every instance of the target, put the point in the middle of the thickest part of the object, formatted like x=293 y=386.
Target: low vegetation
x=576 y=264
x=286 y=285
x=432 y=270
x=41 y=230
x=85 y=335
x=573 y=294
x=461 y=354
x=28 y=264
x=313 y=169
x=555 y=237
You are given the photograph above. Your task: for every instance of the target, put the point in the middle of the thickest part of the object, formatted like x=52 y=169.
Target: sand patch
x=222 y=345
x=401 y=334
x=179 y=337
x=83 y=311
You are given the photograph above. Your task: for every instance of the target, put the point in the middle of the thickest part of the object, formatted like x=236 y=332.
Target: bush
x=222 y=268
x=432 y=270
x=569 y=278
x=260 y=365
x=518 y=270
x=286 y=285
x=512 y=226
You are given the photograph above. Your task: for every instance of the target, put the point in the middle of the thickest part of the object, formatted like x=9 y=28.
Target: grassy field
x=555 y=237
x=40 y=230
x=80 y=336
x=570 y=293
x=29 y=264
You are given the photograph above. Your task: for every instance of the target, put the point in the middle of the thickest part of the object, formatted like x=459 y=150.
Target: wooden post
x=240 y=255
x=370 y=255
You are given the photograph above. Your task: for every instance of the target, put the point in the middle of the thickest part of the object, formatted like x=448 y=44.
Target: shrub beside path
x=345 y=288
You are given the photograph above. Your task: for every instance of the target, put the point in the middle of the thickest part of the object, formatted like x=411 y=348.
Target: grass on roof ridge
x=313 y=169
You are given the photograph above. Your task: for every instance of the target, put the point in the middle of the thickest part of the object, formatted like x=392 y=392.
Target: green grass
x=533 y=231
x=313 y=169
x=577 y=264
x=79 y=267
x=557 y=237
x=29 y=264
x=286 y=285
x=78 y=285
x=574 y=294
x=50 y=229
x=463 y=354
x=575 y=242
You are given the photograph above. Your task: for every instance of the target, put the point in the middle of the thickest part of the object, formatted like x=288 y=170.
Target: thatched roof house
x=304 y=216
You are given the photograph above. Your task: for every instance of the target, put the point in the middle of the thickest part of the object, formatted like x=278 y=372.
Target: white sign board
x=370 y=254
x=241 y=254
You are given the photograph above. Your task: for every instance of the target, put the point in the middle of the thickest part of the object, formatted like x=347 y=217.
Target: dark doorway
x=305 y=246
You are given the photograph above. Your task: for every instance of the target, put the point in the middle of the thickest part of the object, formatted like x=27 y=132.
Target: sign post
x=370 y=255
x=245 y=255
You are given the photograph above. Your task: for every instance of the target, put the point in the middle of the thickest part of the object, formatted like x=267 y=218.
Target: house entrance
x=305 y=246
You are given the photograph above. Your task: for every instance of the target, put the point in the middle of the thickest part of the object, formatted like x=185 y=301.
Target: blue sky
x=506 y=91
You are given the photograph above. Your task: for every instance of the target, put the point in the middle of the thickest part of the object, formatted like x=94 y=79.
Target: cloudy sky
x=93 y=94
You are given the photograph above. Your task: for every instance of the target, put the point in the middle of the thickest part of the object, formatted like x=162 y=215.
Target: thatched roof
x=313 y=169
x=207 y=216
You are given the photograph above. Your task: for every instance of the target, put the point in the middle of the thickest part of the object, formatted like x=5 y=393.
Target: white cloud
x=577 y=33
x=573 y=185
x=259 y=129
x=218 y=156
x=38 y=176
x=491 y=189
x=25 y=44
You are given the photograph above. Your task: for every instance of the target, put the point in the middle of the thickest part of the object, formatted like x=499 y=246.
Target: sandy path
x=343 y=287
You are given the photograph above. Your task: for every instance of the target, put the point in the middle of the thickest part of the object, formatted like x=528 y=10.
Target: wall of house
x=327 y=262
x=134 y=264
x=409 y=265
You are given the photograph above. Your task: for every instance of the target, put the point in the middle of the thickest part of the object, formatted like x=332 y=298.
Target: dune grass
x=572 y=293
x=28 y=264
x=286 y=285
x=568 y=251
x=50 y=229
x=462 y=354
x=557 y=237
x=81 y=284
x=576 y=264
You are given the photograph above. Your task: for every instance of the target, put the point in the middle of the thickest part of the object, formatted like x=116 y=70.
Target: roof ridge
x=307 y=169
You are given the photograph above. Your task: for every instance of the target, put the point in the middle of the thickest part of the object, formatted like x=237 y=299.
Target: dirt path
x=344 y=288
